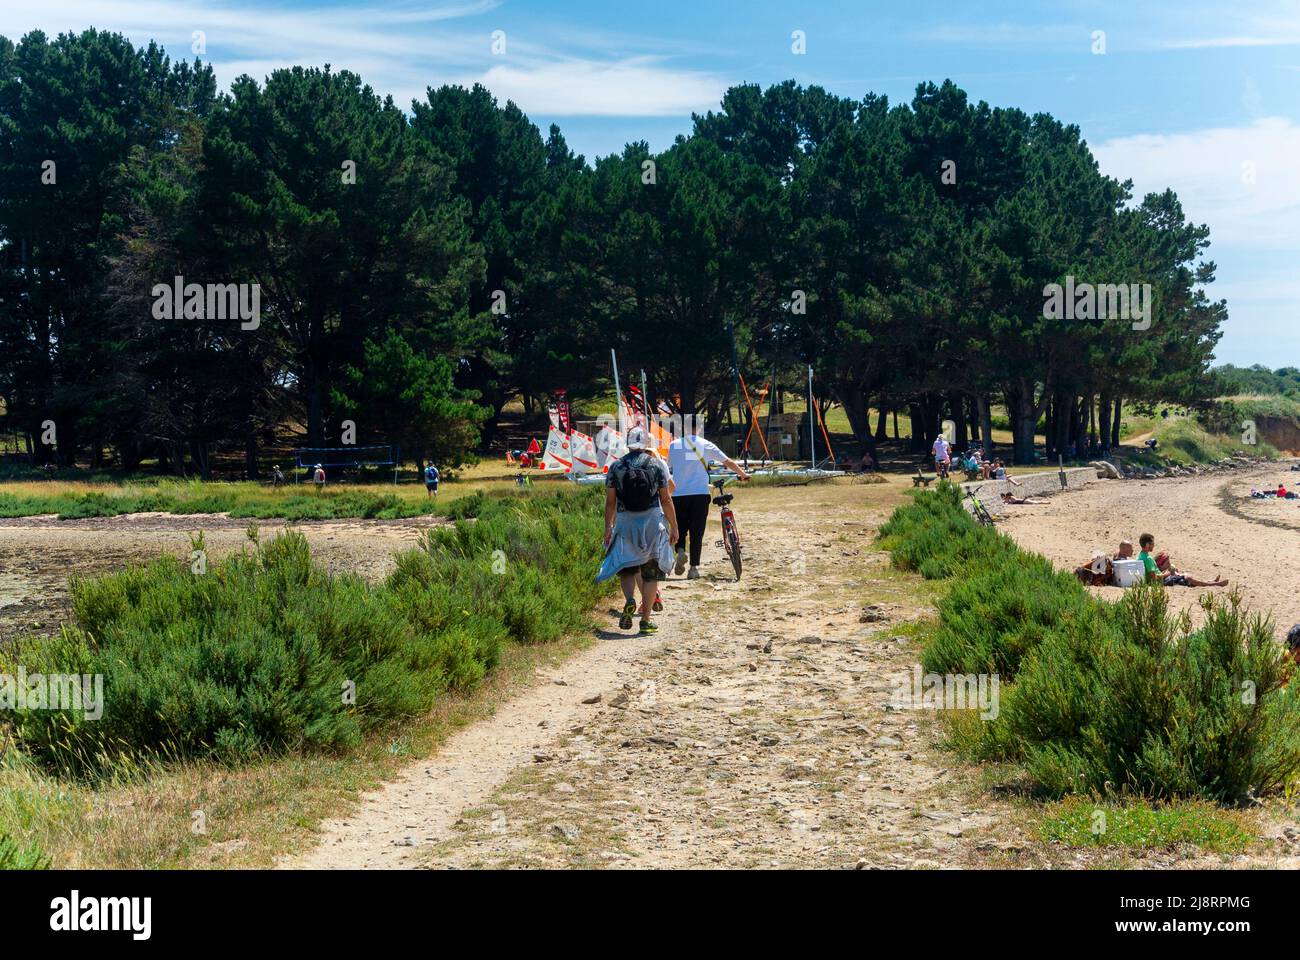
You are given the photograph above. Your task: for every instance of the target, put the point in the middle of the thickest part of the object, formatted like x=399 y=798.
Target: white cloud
x=1208 y=170
x=1254 y=228
x=399 y=48
x=633 y=87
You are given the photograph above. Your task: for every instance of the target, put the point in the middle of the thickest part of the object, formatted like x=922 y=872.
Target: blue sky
x=1200 y=96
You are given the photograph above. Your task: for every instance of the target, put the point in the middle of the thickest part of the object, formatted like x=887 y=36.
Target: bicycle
x=978 y=510
x=730 y=535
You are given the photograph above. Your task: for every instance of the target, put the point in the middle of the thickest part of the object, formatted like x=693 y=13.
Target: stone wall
x=1031 y=485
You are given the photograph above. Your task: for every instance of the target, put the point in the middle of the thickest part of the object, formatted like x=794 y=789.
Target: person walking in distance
x=688 y=459
x=640 y=528
x=318 y=478
x=431 y=480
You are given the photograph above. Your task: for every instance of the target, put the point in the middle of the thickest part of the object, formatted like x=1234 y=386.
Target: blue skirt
x=638 y=538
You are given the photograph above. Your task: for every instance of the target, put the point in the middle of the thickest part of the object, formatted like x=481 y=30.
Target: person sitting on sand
x=1147 y=542
x=1000 y=473
x=1097 y=572
x=1125 y=551
x=1172 y=577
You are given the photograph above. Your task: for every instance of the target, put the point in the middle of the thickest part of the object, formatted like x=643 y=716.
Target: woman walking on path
x=640 y=528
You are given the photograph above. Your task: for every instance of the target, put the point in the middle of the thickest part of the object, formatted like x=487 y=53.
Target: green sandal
x=629 y=610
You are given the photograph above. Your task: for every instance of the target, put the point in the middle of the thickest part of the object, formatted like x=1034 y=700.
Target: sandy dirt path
x=1205 y=523
x=423 y=805
x=752 y=731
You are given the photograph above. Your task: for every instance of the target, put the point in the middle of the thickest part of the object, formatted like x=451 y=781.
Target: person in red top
x=1281 y=490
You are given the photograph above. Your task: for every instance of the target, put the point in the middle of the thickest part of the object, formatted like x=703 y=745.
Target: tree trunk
x=855 y=408
x=1024 y=421
x=315 y=415
x=1103 y=421
x=986 y=422
x=1114 y=423
x=957 y=410
x=199 y=454
x=881 y=424
x=917 y=444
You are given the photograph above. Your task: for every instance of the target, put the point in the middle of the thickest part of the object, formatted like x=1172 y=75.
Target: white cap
x=636 y=439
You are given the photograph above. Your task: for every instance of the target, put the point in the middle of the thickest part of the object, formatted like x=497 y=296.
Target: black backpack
x=637 y=484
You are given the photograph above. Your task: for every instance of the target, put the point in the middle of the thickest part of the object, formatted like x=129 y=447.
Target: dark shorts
x=648 y=571
x=1175 y=580
x=431 y=484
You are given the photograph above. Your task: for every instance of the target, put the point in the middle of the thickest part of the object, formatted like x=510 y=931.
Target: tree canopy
x=418 y=268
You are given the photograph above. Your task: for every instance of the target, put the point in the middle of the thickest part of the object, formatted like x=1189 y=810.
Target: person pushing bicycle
x=688 y=458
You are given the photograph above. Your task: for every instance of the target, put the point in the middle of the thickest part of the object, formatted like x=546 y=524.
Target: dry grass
x=249 y=815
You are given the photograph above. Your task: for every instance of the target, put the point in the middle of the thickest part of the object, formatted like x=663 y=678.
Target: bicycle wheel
x=981 y=512
x=732 y=541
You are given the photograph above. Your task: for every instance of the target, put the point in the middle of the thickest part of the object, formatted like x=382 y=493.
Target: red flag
x=534 y=447
x=562 y=408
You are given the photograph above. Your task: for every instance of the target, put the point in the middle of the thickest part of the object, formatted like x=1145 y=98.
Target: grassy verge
x=1078 y=822
x=72 y=500
x=1184 y=441
x=263 y=690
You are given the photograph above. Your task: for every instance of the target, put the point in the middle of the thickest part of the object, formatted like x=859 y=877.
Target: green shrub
x=1004 y=601
x=254 y=655
x=1141 y=826
x=991 y=620
x=935 y=536
x=1107 y=699
x=1148 y=706
x=14 y=857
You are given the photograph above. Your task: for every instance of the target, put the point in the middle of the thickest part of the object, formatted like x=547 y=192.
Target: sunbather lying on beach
x=1172 y=577
x=1008 y=498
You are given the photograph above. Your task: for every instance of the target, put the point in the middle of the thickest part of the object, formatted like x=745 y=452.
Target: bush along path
x=265 y=652
x=1154 y=739
x=1103 y=699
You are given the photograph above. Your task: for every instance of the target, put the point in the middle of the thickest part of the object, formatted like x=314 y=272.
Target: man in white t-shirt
x=688 y=459
x=942 y=455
